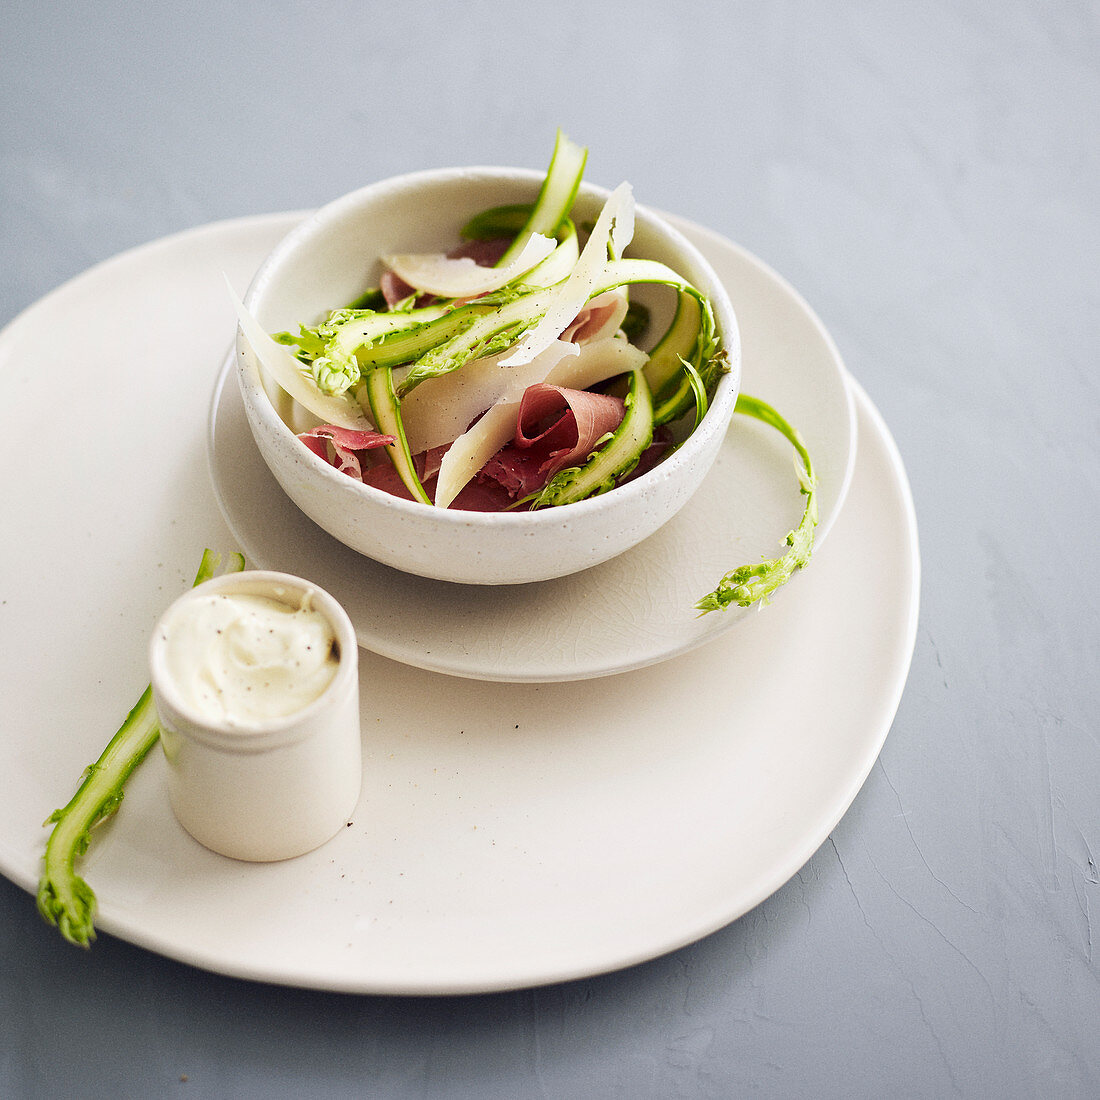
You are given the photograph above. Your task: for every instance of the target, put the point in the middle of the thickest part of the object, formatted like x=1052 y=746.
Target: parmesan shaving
x=436 y=273
x=614 y=227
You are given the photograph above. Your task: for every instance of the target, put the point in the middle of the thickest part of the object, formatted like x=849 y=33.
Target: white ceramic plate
x=508 y=834
x=630 y=612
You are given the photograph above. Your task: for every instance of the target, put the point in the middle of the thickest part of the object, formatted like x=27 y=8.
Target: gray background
x=927 y=174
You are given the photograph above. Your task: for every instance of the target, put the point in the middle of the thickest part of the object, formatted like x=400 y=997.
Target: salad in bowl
x=488 y=375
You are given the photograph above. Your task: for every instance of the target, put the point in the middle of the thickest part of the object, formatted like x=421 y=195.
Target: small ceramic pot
x=270 y=788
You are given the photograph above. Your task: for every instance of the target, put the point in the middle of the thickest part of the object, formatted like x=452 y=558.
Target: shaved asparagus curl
x=64 y=899
x=751 y=584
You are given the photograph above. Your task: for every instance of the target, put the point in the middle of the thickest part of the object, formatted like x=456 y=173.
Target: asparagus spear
x=64 y=898
x=750 y=584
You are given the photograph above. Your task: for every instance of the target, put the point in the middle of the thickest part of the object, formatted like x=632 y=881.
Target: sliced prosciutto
x=347 y=445
x=352 y=453
x=557 y=427
x=477 y=496
x=600 y=318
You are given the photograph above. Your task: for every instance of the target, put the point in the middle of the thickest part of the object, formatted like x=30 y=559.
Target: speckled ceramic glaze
x=331 y=259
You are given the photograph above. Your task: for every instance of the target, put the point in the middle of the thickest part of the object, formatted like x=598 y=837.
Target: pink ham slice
x=394 y=288
x=593 y=319
x=477 y=496
x=350 y=455
x=558 y=427
x=483 y=253
x=346 y=445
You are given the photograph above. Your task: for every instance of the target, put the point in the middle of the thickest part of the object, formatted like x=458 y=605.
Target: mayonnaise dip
x=240 y=659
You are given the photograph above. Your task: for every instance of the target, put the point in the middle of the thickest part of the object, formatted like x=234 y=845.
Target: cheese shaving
x=461 y=277
x=614 y=227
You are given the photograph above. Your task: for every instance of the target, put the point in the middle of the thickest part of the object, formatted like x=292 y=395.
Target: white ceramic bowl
x=332 y=258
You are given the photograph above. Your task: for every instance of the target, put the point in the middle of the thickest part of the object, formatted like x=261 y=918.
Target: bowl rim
x=258 y=401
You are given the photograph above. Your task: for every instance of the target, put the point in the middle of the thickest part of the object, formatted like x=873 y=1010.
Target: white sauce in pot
x=240 y=659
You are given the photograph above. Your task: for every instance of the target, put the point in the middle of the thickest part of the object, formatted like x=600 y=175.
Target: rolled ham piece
x=558 y=427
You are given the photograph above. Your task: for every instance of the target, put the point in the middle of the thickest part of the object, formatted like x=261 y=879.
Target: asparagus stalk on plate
x=65 y=900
